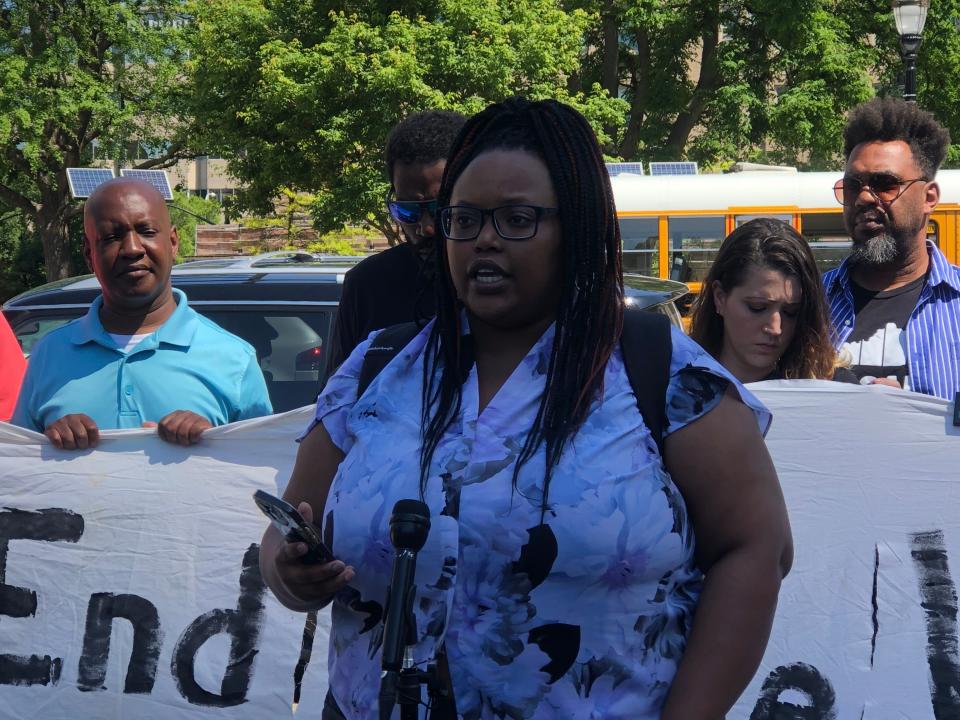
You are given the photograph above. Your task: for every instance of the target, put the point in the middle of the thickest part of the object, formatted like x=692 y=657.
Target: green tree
x=186 y=212
x=301 y=94
x=75 y=76
x=17 y=273
x=716 y=81
x=766 y=80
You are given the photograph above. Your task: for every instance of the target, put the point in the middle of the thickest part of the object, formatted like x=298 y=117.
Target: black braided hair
x=590 y=313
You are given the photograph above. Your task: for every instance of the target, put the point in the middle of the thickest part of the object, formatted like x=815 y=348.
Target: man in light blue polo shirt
x=140 y=356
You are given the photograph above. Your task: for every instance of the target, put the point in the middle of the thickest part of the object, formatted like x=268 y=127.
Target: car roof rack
x=277 y=258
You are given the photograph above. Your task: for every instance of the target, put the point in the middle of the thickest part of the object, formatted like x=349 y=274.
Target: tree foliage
x=186 y=212
x=301 y=94
x=75 y=76
x=766 y=80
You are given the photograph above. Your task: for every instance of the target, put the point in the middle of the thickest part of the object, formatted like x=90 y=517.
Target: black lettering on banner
x=47 y=525
x=242 y=624
x=938 y=597
x=802 y=678
x=147 y=640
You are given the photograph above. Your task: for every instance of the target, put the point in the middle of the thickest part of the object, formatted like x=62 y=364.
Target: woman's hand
x=297 y=585
x=311 y=586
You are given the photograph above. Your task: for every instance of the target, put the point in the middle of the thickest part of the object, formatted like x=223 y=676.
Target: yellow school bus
x=672 y=226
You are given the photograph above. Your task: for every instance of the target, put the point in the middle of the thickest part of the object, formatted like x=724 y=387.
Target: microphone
x=409 y=527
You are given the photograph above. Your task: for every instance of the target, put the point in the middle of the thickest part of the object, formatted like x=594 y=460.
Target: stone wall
x=234 y=239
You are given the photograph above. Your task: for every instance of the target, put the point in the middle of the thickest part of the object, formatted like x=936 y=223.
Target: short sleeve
x=26 y=412
x=254 y=397
x=338 y=397
x=697 y=384
x=23 y=408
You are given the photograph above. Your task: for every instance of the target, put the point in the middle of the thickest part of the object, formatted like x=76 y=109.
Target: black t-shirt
x=878 y=343
x=394 y=286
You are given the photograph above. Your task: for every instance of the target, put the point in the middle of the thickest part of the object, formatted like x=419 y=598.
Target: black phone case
x=291 y=525
x=316 y=554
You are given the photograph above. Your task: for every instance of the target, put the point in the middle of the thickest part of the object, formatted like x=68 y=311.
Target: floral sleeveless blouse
x=583 y=616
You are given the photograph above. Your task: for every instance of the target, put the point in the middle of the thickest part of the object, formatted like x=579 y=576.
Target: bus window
x=694 y=242
x=640 y=245
x=741 y=219
x=933 y=232
x=827 y=237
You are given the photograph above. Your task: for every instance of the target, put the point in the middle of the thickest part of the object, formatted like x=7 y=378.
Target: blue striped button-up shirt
x=933 y=331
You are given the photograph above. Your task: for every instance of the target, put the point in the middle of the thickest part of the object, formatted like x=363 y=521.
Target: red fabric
x=12 y=367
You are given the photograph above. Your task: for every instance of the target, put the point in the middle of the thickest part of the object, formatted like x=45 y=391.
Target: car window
x=30 y=331
x=670 y=310
x=291 y=347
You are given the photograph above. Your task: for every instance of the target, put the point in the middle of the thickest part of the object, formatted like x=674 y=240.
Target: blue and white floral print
x=583 y=616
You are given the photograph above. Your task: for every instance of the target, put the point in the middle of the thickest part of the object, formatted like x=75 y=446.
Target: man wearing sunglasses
x=895 y=301
x=396 y=285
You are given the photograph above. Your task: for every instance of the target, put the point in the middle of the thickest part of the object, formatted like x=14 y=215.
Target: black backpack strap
x=647 y=350
x=384 y=348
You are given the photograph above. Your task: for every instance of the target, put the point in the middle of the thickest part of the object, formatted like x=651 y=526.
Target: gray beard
x=881 y=249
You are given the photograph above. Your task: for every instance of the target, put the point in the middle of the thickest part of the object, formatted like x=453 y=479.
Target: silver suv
x=282 y=303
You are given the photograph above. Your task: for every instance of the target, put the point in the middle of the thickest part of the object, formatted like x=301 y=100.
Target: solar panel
x=157 y=178
x=625 y=168
x=83 y=181
x=673 y=168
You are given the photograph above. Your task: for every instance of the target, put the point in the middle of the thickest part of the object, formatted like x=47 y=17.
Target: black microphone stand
x=400 y=680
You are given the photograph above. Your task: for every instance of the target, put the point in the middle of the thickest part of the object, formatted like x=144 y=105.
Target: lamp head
x=910 y=17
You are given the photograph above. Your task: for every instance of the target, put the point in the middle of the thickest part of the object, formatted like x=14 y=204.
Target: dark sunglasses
x=411 y=211
x=885 y=187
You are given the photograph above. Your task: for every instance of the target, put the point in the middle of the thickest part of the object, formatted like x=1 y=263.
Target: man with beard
x=895 y=301
x=140 y=356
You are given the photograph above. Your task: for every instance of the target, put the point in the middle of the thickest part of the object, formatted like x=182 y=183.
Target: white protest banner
x=866 y=627
x=164 y=539
x=161 y=537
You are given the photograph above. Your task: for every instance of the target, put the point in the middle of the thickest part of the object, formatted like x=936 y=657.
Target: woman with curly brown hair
x=762 y=311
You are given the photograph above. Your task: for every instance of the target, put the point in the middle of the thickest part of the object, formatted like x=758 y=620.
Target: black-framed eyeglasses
x=512 y=222
x=884 y=187
x=411 y=211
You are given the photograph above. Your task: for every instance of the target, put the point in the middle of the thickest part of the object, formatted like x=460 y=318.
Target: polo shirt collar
x=941 y=271
x=178 y=330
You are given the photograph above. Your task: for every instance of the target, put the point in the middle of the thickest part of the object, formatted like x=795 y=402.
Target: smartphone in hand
x=293 y=527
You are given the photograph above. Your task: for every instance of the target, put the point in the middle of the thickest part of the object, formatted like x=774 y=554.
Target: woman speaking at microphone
x=570 y=570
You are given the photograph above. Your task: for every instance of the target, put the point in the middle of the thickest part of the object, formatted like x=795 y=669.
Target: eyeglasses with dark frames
x=411 y=211
x=884 y=187
x=512 y=222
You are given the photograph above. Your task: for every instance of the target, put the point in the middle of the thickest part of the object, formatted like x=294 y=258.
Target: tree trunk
x=706 y=87
x=386 y=226
x=640 y=83
x=54 y=232
x=610 y=73
x=610 y=69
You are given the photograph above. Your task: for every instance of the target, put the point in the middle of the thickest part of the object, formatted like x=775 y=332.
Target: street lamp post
x=910 y=16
